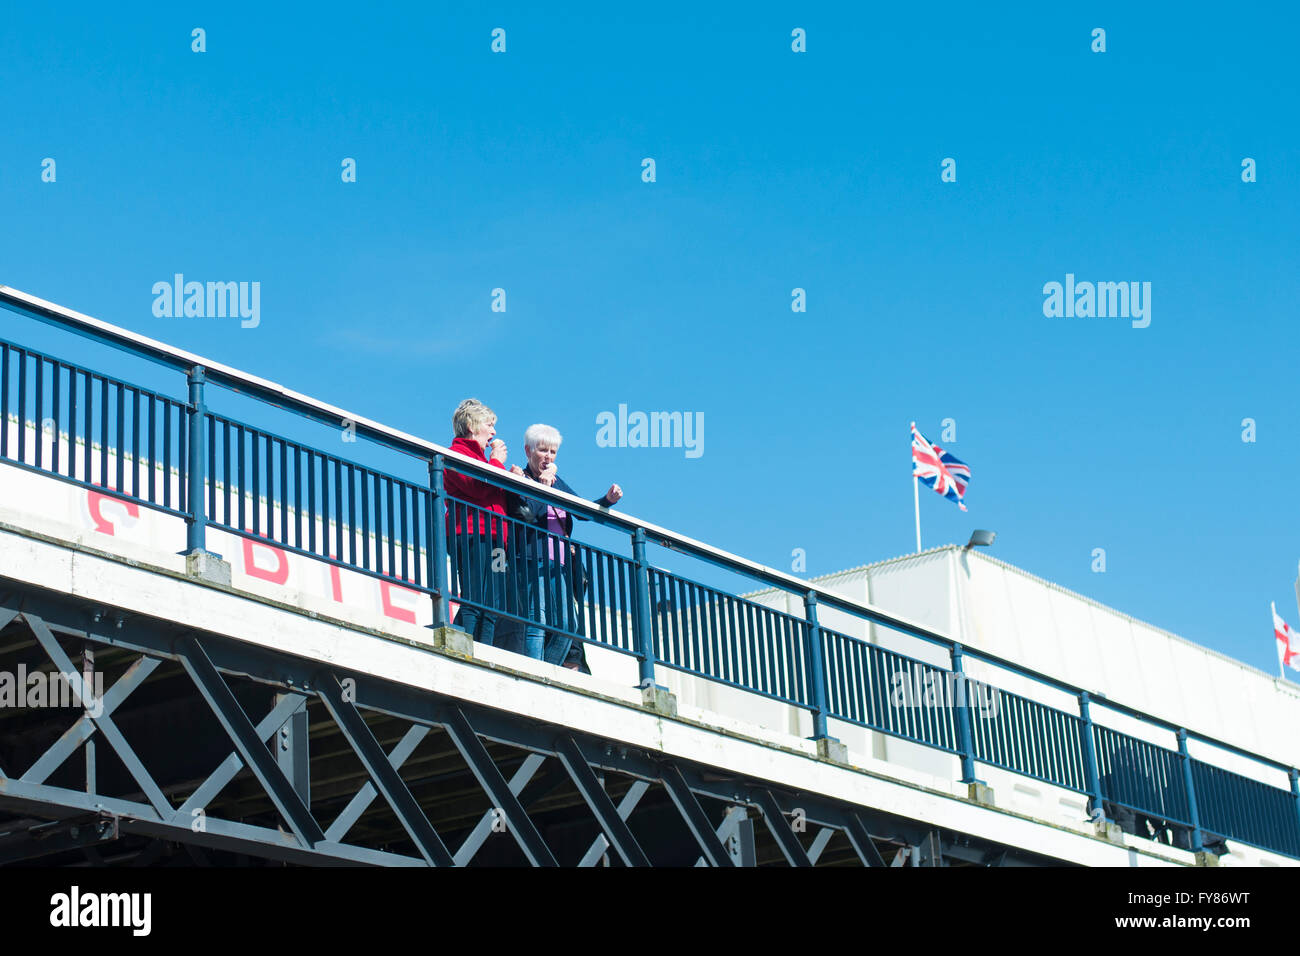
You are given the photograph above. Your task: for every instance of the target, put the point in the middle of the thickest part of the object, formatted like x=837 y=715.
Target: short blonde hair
x=471 y=415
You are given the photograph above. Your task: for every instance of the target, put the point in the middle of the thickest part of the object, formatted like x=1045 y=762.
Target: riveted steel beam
x=861 y=840
x=66 y=616
x=81 y=731
x=498 y=791
x=694 y=817
x=727 y=830
x=382 y=773
x=141 y=818
x=57 y=836
x=616 y=830
x=819 y=842
x=227 y=769
x=483 y=829
x=930 y=852
x=625 y=807
x=785 y=838
x=250 y=745
x=103 y=722
x=292 y=749
x=366 y=795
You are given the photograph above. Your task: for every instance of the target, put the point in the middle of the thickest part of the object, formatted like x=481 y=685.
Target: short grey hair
x=542 y=435
x=471 y=415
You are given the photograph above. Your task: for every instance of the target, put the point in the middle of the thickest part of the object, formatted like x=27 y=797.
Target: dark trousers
x=472 y=559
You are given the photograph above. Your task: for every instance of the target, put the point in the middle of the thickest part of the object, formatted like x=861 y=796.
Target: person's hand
x=516 y=470
x=614 y=494
x=499 y=451
x=547 y=477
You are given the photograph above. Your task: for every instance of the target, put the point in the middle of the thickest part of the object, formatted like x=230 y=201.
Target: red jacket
x=461 y=520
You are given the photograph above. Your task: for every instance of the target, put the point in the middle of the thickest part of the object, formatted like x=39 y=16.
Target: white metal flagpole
x=916 y=502
x=1281 y=667
x=1297 y=591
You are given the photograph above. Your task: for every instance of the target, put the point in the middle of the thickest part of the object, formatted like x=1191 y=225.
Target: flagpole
x=1297 y=590
x=1281 y=667
x=916 y=503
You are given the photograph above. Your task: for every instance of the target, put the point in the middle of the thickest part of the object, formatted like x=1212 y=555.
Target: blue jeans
x=550 y=603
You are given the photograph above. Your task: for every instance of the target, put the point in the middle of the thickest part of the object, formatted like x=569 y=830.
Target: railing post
x=816 y=667
x=645 y=651
x=1197 y=845
x=1091 y=772
x=965 y=732
x=196 y=465
x=437 y=508
x=1294 y=775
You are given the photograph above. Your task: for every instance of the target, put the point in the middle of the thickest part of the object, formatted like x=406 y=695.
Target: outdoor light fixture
x=980 y=538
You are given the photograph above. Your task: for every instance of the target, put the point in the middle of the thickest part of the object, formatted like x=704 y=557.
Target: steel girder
x=56 y=836
x=573 y=756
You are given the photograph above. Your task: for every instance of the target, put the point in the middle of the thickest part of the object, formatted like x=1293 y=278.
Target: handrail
x=309 y=407
x=402 y=441
x=202 y=369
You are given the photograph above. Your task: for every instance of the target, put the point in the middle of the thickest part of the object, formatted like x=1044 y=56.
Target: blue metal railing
x=1256 y=813
x=701 y=630
x=320 y=505
x=1028 y=737
x=404 y=529
x=889 y=692
x=1142 y=776
x=72 y=409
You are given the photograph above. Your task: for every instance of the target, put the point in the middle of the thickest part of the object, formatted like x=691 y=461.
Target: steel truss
x=49 y=818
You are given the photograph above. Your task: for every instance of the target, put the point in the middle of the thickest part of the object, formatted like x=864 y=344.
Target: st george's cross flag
x=1288 y=642
x=939 y=470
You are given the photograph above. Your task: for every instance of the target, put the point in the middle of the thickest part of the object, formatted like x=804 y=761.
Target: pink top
x=555 y=525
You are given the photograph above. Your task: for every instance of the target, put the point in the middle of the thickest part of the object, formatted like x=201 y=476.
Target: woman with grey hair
x=474 y=534
x=552 y=577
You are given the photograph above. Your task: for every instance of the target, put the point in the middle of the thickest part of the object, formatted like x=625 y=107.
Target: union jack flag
x=1288 y=642
x=939 y=470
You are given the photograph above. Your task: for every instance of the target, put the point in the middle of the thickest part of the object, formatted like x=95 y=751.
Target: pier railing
x=247 y=480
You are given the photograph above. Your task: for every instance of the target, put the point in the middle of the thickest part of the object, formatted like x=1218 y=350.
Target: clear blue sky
x=775 y=170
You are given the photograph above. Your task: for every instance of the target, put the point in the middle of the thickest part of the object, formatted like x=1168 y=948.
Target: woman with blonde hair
x=473 y=535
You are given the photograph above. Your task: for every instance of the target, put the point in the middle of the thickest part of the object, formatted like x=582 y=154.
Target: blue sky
x=775 y=170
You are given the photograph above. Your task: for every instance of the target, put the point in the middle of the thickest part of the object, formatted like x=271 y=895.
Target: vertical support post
x=741 y=842
x=437 y=507
x=1197 y=845
x=916 y=503
x=196 y=521
x=291 y=750
x=1091 y=772
x=816 y=667
x=88 y=682
x=965 y=732
x=1294 y=774
x=645 y=651
x=930 y=852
